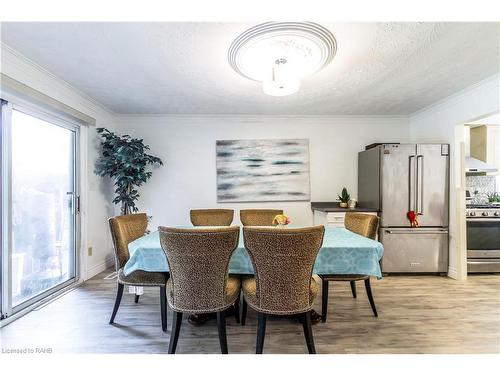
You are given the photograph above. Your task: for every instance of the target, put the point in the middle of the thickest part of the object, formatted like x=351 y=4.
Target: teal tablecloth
x=343 y=252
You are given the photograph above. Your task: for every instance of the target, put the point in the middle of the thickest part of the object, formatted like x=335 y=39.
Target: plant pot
x=343 y=204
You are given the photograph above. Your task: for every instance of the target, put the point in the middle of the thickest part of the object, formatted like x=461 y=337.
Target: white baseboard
x=453 y=273
x=98 y=268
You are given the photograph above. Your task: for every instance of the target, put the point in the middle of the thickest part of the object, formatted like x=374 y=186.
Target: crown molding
x=19 y=91
x=257 y=116
x=88 y=102
x=256 y=120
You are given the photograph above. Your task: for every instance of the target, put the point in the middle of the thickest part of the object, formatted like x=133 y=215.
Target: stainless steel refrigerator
x=395 y=179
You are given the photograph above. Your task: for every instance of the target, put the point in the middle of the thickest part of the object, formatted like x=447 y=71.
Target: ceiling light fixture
x=281 y=54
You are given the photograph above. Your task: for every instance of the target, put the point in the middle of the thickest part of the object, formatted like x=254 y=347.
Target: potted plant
x=344 y=198
x=125 y=161
x=494 y=198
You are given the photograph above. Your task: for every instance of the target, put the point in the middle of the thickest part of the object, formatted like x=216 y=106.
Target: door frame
x=10 y=313
x=5 y=227
x=459 y=186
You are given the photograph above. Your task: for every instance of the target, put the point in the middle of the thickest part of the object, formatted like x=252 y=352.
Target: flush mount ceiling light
x=280 y=54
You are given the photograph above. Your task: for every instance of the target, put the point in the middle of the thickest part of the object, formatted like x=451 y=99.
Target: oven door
x=483 y=237
x=483 y=245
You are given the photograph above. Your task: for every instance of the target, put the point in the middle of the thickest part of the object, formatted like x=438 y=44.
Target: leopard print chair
x=364 y=225
x=283 y=261
x=125 y=229
x=198 y=261
x=258 y=217
x=212 y=217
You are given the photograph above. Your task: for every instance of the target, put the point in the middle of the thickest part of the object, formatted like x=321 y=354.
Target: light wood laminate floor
x=417 y=314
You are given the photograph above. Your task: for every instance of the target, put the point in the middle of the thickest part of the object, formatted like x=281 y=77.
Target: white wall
x=443 y=123
x=97 y=208
x=187 y=146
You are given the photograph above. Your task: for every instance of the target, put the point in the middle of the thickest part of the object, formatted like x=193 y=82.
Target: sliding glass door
x=41 y=206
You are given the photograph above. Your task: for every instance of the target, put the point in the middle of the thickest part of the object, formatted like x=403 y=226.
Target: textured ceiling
x=181 y=68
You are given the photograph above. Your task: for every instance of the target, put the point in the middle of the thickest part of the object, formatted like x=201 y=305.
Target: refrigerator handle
x=420 y=185
x=411 y=175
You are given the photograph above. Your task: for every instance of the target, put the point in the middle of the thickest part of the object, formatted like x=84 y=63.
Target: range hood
x=473 y=165
x=476 y=142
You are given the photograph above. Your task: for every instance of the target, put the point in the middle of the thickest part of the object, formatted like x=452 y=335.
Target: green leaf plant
x=125 y=160
x=344 y=197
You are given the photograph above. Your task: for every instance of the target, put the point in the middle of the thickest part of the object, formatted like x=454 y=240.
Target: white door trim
x=80 y=191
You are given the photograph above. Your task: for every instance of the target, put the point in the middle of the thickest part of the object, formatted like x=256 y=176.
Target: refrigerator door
x=414 y=250
x=398 y=184
x=432 y=181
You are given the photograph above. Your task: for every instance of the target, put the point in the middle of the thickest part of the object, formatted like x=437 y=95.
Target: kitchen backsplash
x=483 y=185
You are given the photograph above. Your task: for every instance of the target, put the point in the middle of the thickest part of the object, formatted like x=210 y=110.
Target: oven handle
x=482 y=250
x=483 y=219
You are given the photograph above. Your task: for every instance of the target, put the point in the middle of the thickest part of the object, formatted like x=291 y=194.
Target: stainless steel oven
x=483 y=239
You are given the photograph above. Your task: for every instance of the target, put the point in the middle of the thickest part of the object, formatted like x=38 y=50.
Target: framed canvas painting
x=255 y=170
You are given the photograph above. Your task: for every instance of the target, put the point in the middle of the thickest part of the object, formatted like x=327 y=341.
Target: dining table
x=342 y=252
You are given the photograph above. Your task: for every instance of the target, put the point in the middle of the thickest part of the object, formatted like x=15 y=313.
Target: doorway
x=40 y=206
x=480 y=250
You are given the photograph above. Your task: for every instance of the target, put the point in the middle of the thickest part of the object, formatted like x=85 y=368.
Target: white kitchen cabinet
x=485 y=144
x=333 y=219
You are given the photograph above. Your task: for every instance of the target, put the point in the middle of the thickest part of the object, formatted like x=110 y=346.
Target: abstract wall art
x=254 y=170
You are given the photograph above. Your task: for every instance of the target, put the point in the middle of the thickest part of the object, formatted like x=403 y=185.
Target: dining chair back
x=125 y=229
x=258 y=217
x=283 y=261
x=199 y=283
x=363 y=224
x=212 y=217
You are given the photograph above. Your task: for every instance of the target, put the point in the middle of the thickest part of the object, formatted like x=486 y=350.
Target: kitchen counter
x=335 y=207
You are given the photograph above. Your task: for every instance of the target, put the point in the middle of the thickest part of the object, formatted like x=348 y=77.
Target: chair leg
x=136 y=298
x=261 y=332
x=324 y=300
x=237 y=309
x=244 y=312
x=370 y=296
x=174 y=335
x=353 y=289
x=221 y=326
x=119 y=295
x=306 y=324
x=163 y=308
